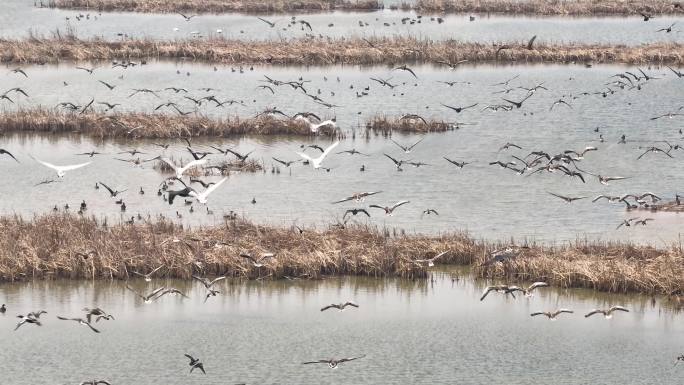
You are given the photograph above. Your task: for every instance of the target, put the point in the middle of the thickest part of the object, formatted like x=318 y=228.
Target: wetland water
x=418 y=332
x=488 y=201
x=486 y=29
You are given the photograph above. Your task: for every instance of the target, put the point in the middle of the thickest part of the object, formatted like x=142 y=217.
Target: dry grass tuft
x=219 y=6
x=550 y=7
x=375 y=51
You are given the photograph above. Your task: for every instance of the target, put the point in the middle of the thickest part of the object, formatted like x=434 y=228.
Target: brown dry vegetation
x=541 y=7
x=65 y=246
x=375 y=51
x=218 y=6
x=551 y=7
x=161 y=126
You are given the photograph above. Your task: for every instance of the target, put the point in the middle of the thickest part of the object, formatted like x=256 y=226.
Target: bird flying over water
x=61 y=170
x=316 y=162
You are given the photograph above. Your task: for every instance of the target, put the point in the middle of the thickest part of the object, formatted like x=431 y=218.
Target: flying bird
x=195 y=364
x=339 y=306
x=551 y=315
x=61 y=170
x=3 y=151
x=316 y=162
x=333 y=363
x=80 y=321
x=257 y=262
x=430 y=261
x=180 y=170
x=389 y=210
x=606 y=313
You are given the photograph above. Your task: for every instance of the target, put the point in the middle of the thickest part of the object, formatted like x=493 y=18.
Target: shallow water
x=488 y=201
x=485 y=29
x=411 y=332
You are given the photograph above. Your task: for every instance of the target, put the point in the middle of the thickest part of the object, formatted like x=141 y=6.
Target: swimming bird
x=333 y=363
x=316 y=162
x=407 y=149
x=551 y=315
x=528 y=291
x=99 y=313
x=27 y=319
x=80 y=321
x=112 y=193
x=340 y=306
x=3 y=309
x=206 y=282
x=359 y=197
x=180 y=170
x=61 y=170
x=430 y=261
x=148 y=276
x=257 y=262
x=195 y=364
x=567 y=199
x=3 y=151
x=389 y=210
x=606 y=313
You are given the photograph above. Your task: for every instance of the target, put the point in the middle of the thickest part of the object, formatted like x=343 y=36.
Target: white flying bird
x=181 y=170
x=315 y=126
x=316 y=162
x=61 y=170
x=202 y=197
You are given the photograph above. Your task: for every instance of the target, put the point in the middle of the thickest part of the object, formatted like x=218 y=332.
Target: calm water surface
x=411 y=332
x=20 y=19
x=486 y=200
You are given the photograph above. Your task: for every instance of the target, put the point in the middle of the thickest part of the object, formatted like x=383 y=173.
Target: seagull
x=61 y=170
x=405 y=68
x=359 y=197
x=567 y=199
x=3 y=151
x=333 y=363
x=195 y=364
x=407 y=149
x=314 y=127
x=527 y=291
x=81 y=321
x=99 y=313
x=551 y=315
x=113 y=193
x=354 y=212
x=180 y=170
x=389 y=210
x=339 y=306
x=496 y=288
x=257 y=262
x=430 y=261
x=606 y=313
x=459 y=109
x=148 y=276
x=206 y=282
x=147 y=298
x=316 y=162
x=27 y=319
x=455 y=163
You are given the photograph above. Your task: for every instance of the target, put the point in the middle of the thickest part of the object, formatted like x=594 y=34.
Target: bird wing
x=558 y=196
x=189 y=356
x=400 y=203
x=217 y=279
x=349 y=303
x=393 y=160
x=213 y=187
x=536 y=285
x=316 y=362
x=327 y=150
x=364 y=211
x=107 y=187
x=204 y=281
x=305 y=156
x=196 y=162
x=537 y=313
x=416 y=143
x=591 y=313
x=486 y=292
x=326 y=308
x=243 y=255
x=564 y=311
x=134 y=291
x=350 y=359
x=531 y=42
x=620 y=308
x=91 y=327
x=170 y=163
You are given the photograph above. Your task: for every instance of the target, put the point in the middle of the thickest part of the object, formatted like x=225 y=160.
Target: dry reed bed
x=551 y=7
x=218 y=6
x=540 y=7
x=387 y=51
x=66 y=246
x=162 y=126
x=605 y=267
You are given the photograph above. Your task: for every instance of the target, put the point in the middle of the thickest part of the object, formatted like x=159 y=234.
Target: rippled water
x=488 y=201
x=411 y=332
x=114 y=26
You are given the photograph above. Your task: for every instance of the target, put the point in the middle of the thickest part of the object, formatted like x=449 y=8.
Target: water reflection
x=441 y=331
x=486 y=29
